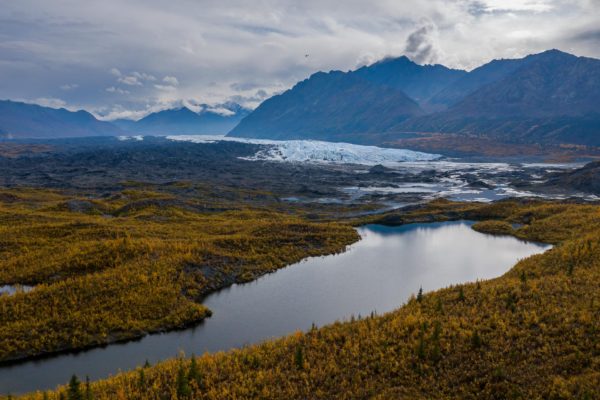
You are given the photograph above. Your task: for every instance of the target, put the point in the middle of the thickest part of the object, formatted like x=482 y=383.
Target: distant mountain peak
x=23 y=120
x=182 y=120
x=394 y=60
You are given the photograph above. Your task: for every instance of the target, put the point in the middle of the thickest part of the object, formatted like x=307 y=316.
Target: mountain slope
x=552 y=97
x=474 y=80
x=328 y=105
x=420 y=82
x=184 y=121
x=22 y=120
x=547 y=98
x=548 y=84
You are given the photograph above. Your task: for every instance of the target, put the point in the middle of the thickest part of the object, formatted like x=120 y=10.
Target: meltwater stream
x=378 y=273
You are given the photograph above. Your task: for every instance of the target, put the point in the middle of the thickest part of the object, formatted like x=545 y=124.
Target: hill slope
x=420 y=82
x=552 y=97
x=22 y=120
x=529 y=334
x=184 y=121
x=328 y=105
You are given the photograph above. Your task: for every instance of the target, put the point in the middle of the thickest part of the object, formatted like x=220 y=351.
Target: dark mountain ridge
x=183 y=121
x=419 y=82
x=23 y=120
x=551 y=98
x=328 y=104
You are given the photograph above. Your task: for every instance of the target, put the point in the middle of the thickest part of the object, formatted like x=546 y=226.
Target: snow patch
x=139 y=138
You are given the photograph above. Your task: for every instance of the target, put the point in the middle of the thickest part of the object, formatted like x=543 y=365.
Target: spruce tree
x=439 y=307
x=436 y=351
x=182 y=384
x=299 y=358
x=475 y=340
x=194 y=373
x=74 y=389
x=420 y=294
x=461 y=294
x=142 y=379
x=88 y=389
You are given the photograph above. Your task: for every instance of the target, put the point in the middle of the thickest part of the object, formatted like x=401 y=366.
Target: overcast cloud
x=124 y=58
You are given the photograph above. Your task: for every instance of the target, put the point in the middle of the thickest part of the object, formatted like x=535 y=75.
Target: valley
x=288 y=200
x=160 y=224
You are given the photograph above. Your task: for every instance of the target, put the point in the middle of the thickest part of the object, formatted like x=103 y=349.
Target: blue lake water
x=379 y=273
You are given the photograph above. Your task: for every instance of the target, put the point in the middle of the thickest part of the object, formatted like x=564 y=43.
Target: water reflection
x=378 y=273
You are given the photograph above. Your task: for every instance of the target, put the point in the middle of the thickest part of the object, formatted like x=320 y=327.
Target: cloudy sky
x=124 y=58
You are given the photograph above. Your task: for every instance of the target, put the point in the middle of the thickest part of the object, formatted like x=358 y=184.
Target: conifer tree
x=142 y=379
x=182 y=384
x=194 y=373
x=88 y=389
x=74 y=389
x=299 y=358
x=439 y=306
x=475 y=340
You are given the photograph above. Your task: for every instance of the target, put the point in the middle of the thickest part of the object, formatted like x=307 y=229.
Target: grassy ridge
x=530 y=334
x=115 y=269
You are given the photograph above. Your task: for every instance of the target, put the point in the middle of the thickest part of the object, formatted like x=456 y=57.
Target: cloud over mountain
x=94 y=56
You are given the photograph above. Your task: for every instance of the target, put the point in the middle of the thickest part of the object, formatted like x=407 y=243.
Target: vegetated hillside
x=183 y=121
x=133 y=263
x=21 y=120
x=327 y=105
x=530 y=334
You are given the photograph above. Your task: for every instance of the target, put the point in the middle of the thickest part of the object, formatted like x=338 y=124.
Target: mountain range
x=183 y=121
x=23 y=120
x=327 y=104
x=552 y=97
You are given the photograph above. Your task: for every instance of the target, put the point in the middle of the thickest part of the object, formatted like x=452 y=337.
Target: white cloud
x=113 y=89
x=421 y=45
x=167 y=88
x=130 y=80
x=133 y=79
x=69 y=86
x=143 y=76
x=171 y=80
x=221 y=111
x=230 y=50
x=519 y=5
x=50 y=102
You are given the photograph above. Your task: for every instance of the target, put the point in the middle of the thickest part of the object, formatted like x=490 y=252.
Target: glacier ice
x=318 y=151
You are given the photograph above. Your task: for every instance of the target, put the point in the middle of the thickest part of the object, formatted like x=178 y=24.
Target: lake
x=378 y=273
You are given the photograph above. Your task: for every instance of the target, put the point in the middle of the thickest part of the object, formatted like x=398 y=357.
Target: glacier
x=315 y=151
